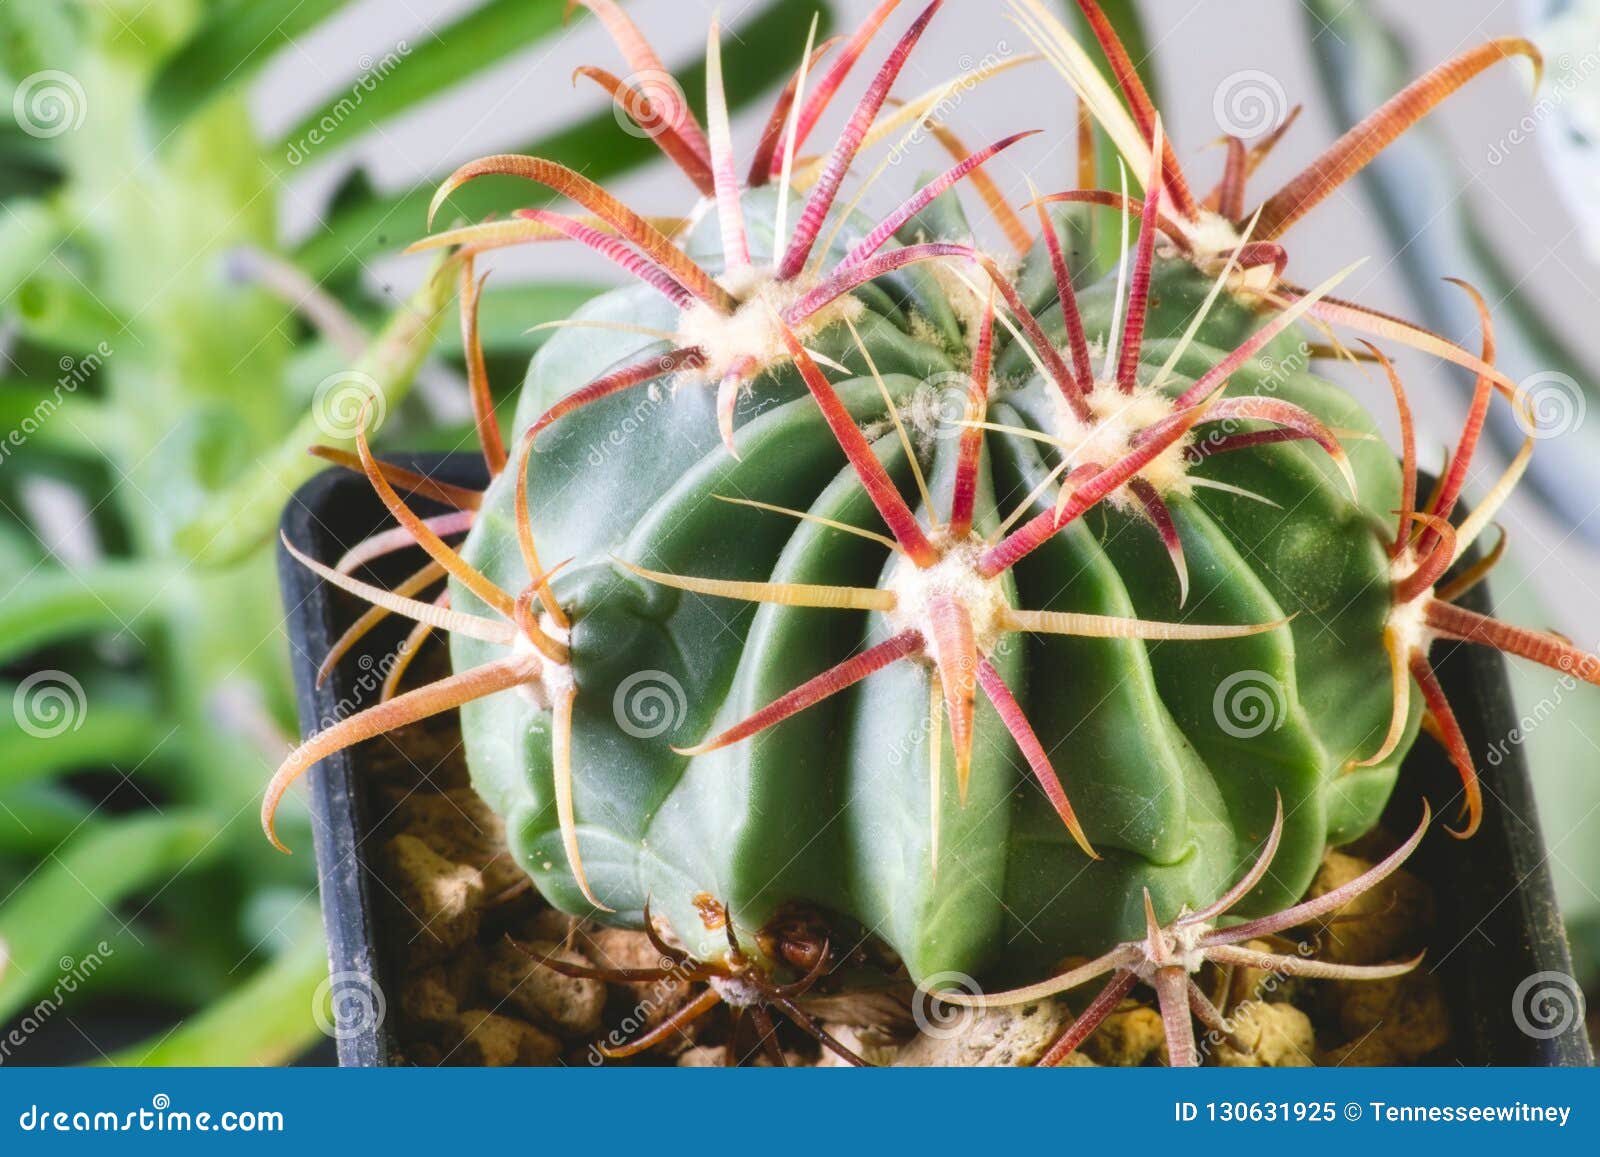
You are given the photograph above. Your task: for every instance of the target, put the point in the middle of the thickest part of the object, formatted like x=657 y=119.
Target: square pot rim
x=1475 y=677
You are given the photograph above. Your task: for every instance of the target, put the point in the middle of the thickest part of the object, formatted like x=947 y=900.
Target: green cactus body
x=1145 y=623
x=1171 y=751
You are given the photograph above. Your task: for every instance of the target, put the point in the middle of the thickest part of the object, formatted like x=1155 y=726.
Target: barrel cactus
x=987 y=605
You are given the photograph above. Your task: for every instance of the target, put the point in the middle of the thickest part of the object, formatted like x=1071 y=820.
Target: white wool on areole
x=1116 y=419
x=753 y=330
x=955 y=575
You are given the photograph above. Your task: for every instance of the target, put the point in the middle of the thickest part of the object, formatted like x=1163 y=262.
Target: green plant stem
x=49 y=605
x=36 y=818
x=240 y=518
x=54 y=418
x=28 y=231
x=108 y=735
x=46 y=920
x=768 y=44
x=56 y=311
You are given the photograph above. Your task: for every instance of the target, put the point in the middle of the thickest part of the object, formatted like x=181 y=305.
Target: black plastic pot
x=1494 y=896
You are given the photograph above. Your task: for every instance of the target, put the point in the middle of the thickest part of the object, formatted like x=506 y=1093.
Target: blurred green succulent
x=166 y=360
